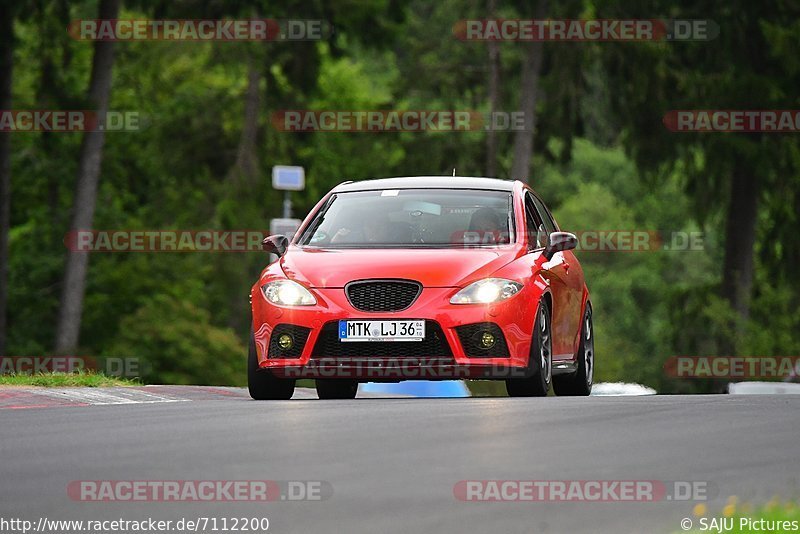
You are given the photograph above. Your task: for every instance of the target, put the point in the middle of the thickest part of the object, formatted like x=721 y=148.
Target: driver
x=486 y=224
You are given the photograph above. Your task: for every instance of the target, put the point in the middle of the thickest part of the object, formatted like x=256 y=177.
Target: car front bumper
x=442 y=356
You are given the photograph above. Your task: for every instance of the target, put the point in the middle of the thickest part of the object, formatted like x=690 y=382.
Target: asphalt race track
x=392 y=463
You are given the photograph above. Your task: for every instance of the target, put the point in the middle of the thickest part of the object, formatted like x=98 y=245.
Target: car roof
x=427 y=182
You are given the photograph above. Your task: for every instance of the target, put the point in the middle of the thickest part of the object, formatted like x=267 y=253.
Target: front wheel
x=261 y=383
x=579 y=383
x=540 y=362
x=337 y=389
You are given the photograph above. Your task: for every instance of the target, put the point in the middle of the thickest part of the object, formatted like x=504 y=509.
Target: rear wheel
x=540 y=363
x=580 y=382
x=261 y=383
x=337 y=389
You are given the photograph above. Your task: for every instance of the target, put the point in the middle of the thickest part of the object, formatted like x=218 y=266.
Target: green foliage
x=600 y=190
x=603 y=161
x=176 y=344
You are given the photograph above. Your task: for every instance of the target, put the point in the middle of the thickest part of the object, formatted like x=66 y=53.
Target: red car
x=424 y=278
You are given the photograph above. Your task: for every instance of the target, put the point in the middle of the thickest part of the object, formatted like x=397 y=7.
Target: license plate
x=409 y=330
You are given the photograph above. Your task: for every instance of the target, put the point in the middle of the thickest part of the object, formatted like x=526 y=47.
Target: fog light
x=285 y=341
x=487 y=340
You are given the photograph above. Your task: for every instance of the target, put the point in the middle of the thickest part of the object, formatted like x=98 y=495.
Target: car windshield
x=400 y=218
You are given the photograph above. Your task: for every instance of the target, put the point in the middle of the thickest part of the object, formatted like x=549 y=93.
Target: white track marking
x=104 y=396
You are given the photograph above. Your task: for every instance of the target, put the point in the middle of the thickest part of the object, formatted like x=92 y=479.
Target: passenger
x=364 y=228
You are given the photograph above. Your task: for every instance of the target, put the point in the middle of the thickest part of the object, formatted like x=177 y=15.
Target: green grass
x=773 y=511
x=79 y=379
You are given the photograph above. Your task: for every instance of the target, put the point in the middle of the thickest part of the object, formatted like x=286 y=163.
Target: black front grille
x=470 y=337
x=434 y=345
x=299 y=335
x=382 y=295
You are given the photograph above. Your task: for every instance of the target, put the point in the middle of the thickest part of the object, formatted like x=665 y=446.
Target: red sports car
x=425 y=278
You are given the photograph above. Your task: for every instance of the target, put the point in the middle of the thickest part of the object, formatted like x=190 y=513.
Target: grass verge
x=79 y=379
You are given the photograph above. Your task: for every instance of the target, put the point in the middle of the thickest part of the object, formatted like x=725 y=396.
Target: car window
x=545 y=215
x=537 y=234
x=412 y=218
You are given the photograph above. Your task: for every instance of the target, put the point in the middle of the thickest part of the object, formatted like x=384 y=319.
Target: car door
x=566 y=282
x=553 y=272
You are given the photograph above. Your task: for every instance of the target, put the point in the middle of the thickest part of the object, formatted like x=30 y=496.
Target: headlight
x=288 y=293
x=487 y=291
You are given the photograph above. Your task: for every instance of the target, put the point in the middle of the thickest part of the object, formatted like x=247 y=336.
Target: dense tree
x=600 y=156
x=743 y=68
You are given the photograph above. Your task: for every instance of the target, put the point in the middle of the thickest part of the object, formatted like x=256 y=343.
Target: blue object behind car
x=418 y=388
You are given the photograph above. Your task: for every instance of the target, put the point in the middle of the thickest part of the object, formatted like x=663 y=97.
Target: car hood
x=431 y=267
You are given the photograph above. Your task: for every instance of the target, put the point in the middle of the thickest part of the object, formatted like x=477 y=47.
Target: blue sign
x=288 y=178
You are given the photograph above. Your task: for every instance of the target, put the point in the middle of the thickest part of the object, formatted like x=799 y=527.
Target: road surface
x=392 y=464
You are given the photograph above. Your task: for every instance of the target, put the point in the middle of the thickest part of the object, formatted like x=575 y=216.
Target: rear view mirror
x=275 y=244
x=559 y=242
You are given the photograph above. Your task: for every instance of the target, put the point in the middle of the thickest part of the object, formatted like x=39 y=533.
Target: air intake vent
x=382 y=295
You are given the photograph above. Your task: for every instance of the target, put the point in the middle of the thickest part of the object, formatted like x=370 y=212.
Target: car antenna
x=454 y=171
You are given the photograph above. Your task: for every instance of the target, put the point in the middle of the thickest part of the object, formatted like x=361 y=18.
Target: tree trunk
x=245 y=168
x=740 y=238
x=244 y=174
x=531 y=68
x=91 y=154
x=494 y=96
x=6 y=70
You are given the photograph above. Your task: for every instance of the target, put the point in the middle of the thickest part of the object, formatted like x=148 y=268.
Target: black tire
x=262 y=384
x=579 y=383
x=540 y=362
x=337 y=389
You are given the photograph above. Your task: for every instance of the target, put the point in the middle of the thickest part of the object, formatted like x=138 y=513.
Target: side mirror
x=559 y=242
x=275 y=244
